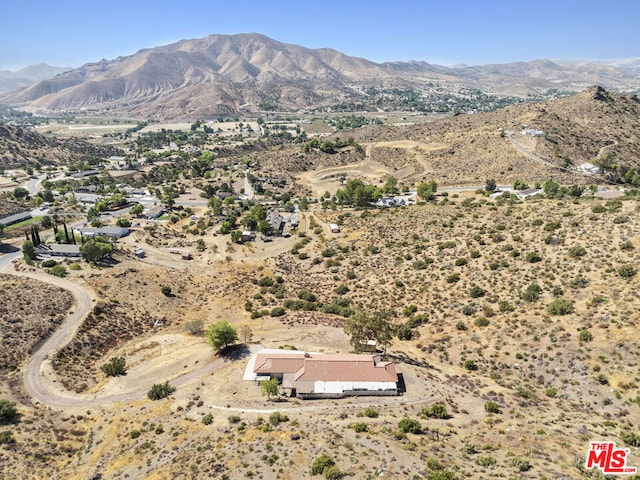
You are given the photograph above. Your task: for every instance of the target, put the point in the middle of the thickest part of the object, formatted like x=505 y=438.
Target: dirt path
x=40 y=379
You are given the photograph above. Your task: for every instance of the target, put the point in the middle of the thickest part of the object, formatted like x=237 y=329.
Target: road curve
x=40 y=379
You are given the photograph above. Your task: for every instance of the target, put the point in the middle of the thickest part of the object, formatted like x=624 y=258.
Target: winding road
x=39 y=377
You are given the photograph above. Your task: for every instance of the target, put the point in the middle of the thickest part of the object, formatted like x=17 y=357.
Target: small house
x=334 y=228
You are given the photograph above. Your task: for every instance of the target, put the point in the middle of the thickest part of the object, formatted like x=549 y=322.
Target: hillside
x=593 y=126
x=20 y=147
x=227 y=74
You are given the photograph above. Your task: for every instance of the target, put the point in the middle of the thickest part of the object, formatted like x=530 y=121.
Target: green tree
x=550 y=187
x=269 y=387
x=427 y=191
x=362 y=328
x=95 y=250
x=20 y=193
x=166 y=290
x=136 y=209
x=490 y=185
x=390 y=186
x=220 y=335
x=236 y=235
x=1 y=229
x=28 y=250
x=123 y=222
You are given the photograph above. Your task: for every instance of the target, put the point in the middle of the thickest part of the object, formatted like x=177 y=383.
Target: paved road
x=33 y=185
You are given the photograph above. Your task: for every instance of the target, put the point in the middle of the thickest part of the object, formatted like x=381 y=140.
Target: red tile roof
x=327 y=367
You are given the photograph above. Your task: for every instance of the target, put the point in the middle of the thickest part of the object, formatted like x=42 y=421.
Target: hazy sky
x=71 y=33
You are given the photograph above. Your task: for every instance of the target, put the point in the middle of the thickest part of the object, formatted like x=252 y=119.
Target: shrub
x=58 y=271
x=306 y=295
x=370 y=412
x=504 y=306
x=409 y=425
x=469 y=309
x=533 y=257
x=8 y=412
x=207 y=419
x=488 y=461
x=630 y=438
x=360 y=427
x=627 y=271
x=321 y=463
x=441 y=475
x=404 y=332
x=437 y=410
x=481 y=322
x=115 y=367
x=532 y=293
x=7 y=438
x=598 y=208
x=551 y=392
x=233 y=419
x=586 y=336
x=461 y=262
x=265 y=282
x=419 y=264
x=332 y=473
x=477 y=291
x=470 y=365
x=520 y=463
x=160 y=390
x=577 y=251
x=491 y=407
x=560 y=306
x=453 y=278
x=277 y=312
x=195 y=327
x=276 y=417
x=341 y=289
x=49 y=263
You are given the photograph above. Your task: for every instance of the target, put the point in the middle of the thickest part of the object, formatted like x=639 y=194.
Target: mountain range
x=10 y=80
x=227 y=74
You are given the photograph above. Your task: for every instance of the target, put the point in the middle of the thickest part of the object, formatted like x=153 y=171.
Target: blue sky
x=71 y=33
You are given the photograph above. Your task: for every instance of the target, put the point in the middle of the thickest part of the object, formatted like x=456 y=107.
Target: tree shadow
x=6 y=248
x=235 y=352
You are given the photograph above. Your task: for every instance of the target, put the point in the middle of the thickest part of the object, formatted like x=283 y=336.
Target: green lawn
x=24 y=222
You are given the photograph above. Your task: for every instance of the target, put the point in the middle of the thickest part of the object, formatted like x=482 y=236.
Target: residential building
x=108 y=232
x=315 y=375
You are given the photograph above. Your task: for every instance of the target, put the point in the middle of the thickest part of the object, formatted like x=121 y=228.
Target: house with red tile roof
x=317 y=375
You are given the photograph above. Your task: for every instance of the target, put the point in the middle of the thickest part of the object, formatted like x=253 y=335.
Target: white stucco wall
x=320 y=386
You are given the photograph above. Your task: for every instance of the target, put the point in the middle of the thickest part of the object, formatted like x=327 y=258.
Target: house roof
x=279 y=362
x=18 y=217
x=310 y=367
x=347 y=368
x=58 y=249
